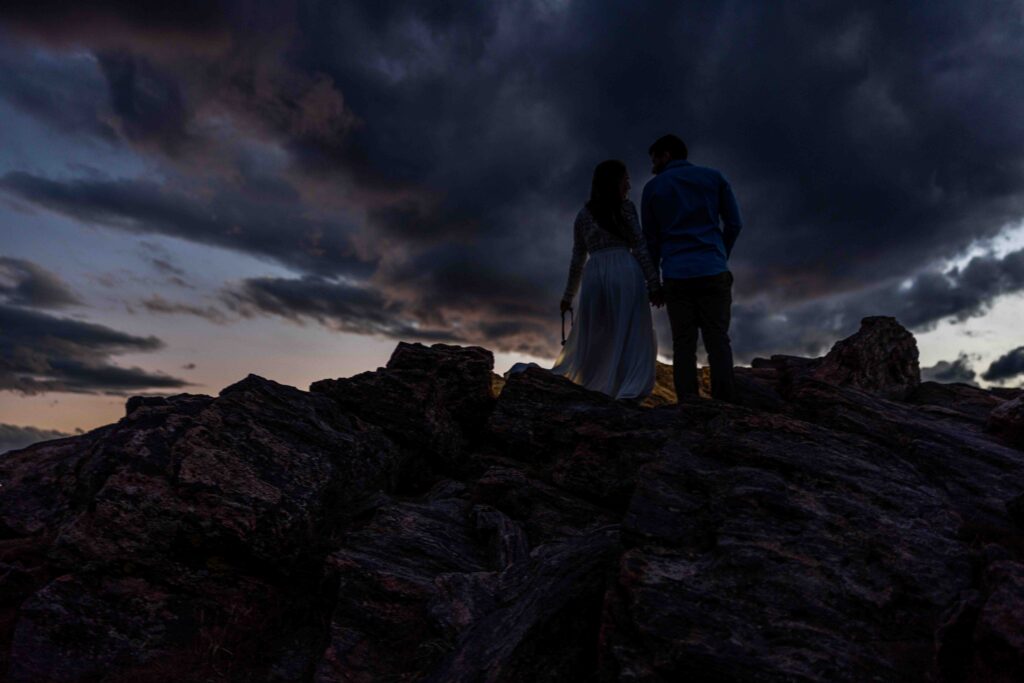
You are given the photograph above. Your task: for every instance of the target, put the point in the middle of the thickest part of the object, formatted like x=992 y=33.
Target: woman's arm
x=579 y=257
x=638 y=244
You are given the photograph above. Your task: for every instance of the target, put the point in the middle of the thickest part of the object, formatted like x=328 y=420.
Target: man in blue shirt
x=691 y=221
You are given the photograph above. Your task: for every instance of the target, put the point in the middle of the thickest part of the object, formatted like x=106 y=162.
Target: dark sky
x=411 y=170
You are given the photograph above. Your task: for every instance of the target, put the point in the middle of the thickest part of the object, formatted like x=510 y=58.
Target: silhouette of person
x=691 y=222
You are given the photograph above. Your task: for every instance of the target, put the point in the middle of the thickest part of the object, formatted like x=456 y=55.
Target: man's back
x=681 y=210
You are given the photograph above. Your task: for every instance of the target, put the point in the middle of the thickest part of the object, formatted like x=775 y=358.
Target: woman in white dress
x=612 y=346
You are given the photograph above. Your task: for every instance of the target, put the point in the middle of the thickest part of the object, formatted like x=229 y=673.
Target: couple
x=612 y=346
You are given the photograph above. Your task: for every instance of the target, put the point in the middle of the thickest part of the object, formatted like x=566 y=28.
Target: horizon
x=196 y=195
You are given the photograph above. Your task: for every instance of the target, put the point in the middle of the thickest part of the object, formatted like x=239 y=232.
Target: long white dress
x=612 y=346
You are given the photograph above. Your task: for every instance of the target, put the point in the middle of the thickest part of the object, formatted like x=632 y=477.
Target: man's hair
x=671 y=144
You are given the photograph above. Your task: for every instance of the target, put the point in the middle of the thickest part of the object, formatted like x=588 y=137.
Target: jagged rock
x=69 y=631
x=430 y=401
x=881 y=357
x=1007 y=420
x=544 y=512
x=553 y=596
x=586 y=442
x=386 y=574
x=251 y=477
x=844 y=523
x=461 y=376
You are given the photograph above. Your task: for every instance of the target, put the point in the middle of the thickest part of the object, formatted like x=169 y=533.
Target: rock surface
x=845 y=523
x=1008 y=420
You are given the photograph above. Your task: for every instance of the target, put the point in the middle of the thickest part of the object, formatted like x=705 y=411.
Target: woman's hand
x=566 y=305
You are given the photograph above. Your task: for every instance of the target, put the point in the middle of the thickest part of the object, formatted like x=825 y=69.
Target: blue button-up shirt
x=681 y=209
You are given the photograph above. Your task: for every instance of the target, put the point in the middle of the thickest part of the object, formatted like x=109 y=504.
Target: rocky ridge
x=846 y=523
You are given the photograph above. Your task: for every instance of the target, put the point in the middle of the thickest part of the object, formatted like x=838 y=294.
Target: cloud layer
x=23 y=283
x=418 y=166
x=41 y=353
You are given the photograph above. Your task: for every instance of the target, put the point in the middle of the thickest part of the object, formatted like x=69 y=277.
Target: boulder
x=431 y=401
x=881 y=358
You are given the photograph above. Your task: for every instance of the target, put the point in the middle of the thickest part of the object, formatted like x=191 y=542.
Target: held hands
x=657 y=297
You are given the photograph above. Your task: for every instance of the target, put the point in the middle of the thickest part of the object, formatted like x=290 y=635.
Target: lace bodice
x=588 y=237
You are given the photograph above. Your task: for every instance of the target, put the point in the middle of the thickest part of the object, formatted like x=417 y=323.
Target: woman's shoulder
x=629 y=208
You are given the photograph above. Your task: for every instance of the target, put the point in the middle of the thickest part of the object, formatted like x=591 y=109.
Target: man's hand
x=657 y=297
x=565 y=306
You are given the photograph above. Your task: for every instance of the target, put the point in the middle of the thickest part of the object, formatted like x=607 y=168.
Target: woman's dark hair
x=605 y=203
x=671 y=144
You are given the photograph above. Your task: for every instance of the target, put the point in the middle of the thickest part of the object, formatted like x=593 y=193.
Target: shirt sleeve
x=651 y=231
x=579 y=258
x=639 y=245
x=730 y=214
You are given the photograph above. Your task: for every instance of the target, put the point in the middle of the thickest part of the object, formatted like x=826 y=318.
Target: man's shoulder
x=702 y=170
x=689 y=173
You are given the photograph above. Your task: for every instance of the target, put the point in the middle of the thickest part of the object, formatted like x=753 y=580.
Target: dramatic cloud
x=339 y=305
x=41 y=353
x=148 y=105
x=429 y=158
x=959 y=370
x=66 y=94
x=13 y=437
x=265 y=229
x=23 y=283
x=919 y=303
x=1006 y=366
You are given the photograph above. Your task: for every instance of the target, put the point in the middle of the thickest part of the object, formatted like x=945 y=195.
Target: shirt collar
x=676 y=163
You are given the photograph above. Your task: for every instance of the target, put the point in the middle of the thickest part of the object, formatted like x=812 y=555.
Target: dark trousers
x=701 y=303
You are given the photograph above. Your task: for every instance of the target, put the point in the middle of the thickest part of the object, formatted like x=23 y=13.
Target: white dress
x=612 y=346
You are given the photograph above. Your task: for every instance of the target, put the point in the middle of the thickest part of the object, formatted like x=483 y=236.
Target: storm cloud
x=1007 y=366
x=919 y=302
x=24 y=283
x=433 y=156
x=42 y=353
x=338 y=305
x=264 y=229
x=959 y=370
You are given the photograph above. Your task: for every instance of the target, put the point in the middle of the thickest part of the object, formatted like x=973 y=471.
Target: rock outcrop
x=845 y=523
x=881 y=357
